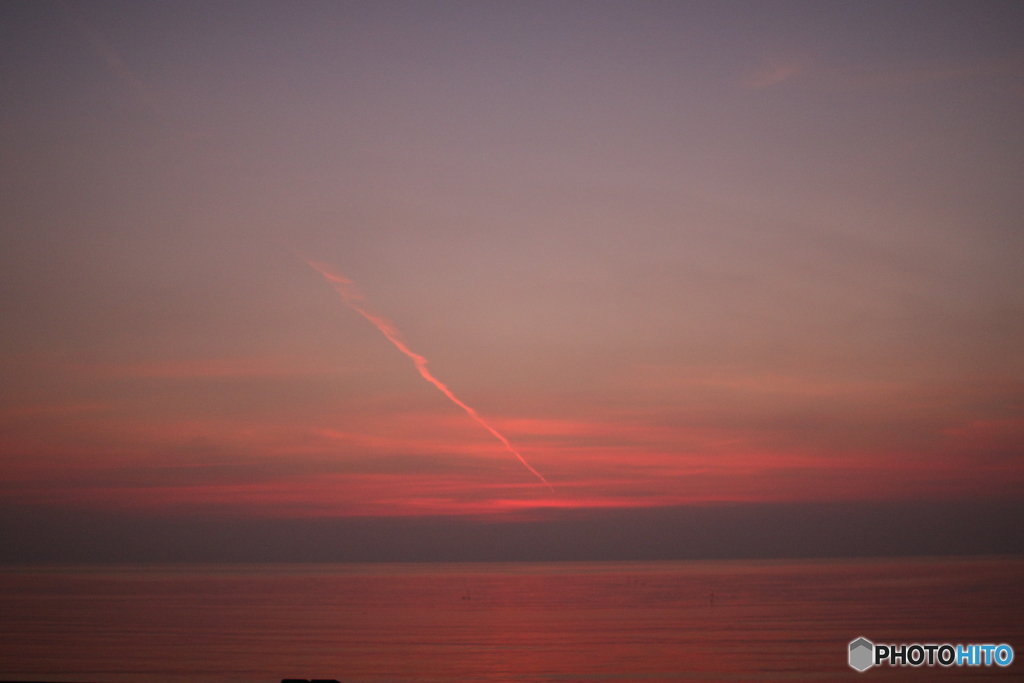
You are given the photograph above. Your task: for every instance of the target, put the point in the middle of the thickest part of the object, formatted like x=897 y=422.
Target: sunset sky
x=676 y=253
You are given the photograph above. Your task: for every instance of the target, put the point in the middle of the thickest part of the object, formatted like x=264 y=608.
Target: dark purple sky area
x=760 y=260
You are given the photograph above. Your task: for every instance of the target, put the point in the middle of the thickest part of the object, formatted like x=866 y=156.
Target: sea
x=577 y=622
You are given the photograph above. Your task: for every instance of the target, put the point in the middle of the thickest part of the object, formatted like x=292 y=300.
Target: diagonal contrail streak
x=354 y=298
x=113 y=60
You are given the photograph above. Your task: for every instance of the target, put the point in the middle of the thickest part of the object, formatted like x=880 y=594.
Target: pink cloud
x=772 y=74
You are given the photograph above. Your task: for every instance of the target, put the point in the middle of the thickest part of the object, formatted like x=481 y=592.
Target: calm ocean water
x=645 y=621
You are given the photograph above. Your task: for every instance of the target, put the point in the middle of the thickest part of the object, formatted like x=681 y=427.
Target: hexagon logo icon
x=862 y=653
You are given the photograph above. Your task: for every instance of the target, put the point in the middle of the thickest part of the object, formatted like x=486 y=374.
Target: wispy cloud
x=211 y=368
x=822 y=76
x=773 y=73
x=776 y=72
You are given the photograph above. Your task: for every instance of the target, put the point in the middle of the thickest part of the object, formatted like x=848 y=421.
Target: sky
x=674 y=254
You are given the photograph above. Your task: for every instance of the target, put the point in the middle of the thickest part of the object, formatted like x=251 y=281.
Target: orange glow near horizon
x=429 y=463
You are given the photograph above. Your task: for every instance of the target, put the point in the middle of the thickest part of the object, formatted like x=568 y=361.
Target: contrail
x=115 y=63
x=355 y=300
